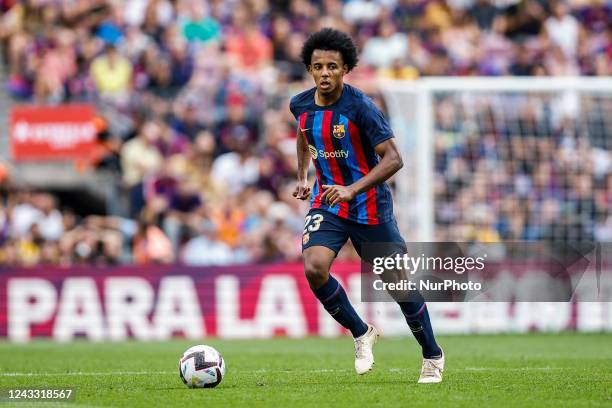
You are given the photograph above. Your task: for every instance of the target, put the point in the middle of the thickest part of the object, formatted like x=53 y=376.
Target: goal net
x=490 y=159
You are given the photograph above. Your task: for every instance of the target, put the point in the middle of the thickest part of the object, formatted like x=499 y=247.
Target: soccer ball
x=201 y=367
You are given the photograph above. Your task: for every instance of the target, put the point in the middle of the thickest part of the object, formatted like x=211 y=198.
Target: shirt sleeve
x=293 y=107
x=373 y=124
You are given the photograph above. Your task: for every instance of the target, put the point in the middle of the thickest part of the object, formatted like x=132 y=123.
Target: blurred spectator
x=112 y=73
x=388 y=46
x=183 y=212
x=49 y=220
x=186 y=122
x=151 y=245
x=239 y=167
x=140 y=157
x=58 y=64
x=251 y=49
x=196 y=24
x=563 y=29
x=204 y=249
x=524 y=64
x=484 y=13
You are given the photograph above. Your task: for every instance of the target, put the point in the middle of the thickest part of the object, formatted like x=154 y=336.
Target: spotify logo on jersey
x=341 y=154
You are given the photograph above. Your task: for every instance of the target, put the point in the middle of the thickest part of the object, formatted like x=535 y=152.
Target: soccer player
x=353 y=151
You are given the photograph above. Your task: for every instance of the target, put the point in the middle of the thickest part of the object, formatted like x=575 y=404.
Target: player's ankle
x=361 y=331
x=432 y=353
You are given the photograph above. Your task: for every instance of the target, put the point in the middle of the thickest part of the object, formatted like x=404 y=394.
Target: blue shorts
x=322 y=228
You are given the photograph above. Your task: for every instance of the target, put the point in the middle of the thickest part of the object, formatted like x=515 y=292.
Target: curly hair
x=330 y=39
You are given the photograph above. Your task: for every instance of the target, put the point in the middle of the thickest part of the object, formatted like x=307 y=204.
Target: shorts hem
x=321 y=245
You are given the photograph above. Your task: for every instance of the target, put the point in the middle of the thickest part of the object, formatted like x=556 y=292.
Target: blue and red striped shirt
x=341 y=138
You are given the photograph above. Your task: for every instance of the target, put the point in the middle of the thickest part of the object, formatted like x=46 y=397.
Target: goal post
x=524 y=132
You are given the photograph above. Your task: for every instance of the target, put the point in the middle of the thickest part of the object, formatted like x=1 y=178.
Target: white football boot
x=431 y=371
x=364 y=358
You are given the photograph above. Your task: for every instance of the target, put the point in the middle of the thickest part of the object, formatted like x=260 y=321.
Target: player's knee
x=316 y=272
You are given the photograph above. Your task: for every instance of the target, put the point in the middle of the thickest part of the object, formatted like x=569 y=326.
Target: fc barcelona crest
x=338 y=131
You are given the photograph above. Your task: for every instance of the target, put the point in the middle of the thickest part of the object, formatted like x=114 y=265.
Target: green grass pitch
x=536 y=370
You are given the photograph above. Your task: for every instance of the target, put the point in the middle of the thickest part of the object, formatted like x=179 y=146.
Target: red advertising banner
x=159 y=302
x=64 y=132
x=250 y=301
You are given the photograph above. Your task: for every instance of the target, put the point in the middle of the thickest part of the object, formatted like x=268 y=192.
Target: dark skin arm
x=302 y=189
x=389 y=164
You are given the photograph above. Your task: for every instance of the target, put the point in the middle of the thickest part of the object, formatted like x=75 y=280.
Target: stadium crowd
x=539 y=172
x=193 y=96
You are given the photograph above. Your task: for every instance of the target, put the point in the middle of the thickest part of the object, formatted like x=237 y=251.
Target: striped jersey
x=341 y=138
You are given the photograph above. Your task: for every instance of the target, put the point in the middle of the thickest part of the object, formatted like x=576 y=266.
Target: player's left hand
x=335 y=194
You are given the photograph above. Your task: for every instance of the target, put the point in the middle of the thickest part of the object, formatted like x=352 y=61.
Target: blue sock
x=417 y=317
x=334 y=300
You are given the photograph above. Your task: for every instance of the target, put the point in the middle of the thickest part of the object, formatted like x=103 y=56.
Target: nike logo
x=303 y=130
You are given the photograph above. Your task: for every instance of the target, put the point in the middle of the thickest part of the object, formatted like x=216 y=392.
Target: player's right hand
x=302 y=190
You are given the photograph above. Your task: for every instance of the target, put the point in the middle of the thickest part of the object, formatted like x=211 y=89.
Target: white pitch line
x=110 y=373
x=263 y=370
x=513 y=368
x=492 y=369
x=86 y=373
